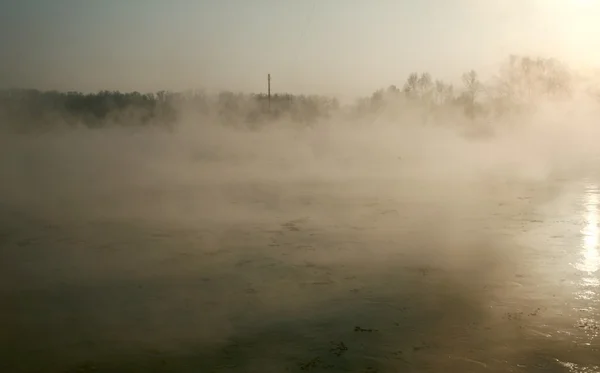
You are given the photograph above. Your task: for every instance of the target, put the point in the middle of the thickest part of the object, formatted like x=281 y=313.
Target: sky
x=334 y=47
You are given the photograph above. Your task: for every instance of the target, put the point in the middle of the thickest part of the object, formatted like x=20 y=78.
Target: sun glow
x=584 y=3
x=577 y=9
x=589 y=256
x=571 y=28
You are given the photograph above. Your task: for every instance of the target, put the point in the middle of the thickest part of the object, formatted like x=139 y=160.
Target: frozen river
x=298 y=276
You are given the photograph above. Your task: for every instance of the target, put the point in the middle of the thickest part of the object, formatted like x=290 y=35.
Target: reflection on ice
x=589 y=261
x=575 y=368
x=590 y=256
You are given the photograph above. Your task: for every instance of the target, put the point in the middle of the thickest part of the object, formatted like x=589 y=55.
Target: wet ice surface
x=307 y=277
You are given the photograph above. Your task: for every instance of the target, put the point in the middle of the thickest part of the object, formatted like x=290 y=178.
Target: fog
x=279 y=248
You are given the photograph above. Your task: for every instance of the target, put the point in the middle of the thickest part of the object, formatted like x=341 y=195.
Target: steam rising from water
x=220 y=245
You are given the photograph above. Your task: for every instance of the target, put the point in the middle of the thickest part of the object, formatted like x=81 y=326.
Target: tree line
x=518 y=85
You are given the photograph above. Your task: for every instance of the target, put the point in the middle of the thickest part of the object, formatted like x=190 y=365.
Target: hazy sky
x=343 y=47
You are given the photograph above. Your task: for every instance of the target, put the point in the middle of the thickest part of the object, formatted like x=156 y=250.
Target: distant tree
x=444 y=93
x=520 y=83
x=393 y=90
x=472 y=87
x=411 y=87
x=426 y=86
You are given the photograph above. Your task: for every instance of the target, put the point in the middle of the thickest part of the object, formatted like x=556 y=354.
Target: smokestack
x=269 y=89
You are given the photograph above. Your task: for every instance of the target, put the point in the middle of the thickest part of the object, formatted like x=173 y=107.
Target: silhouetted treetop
x=520 y=82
